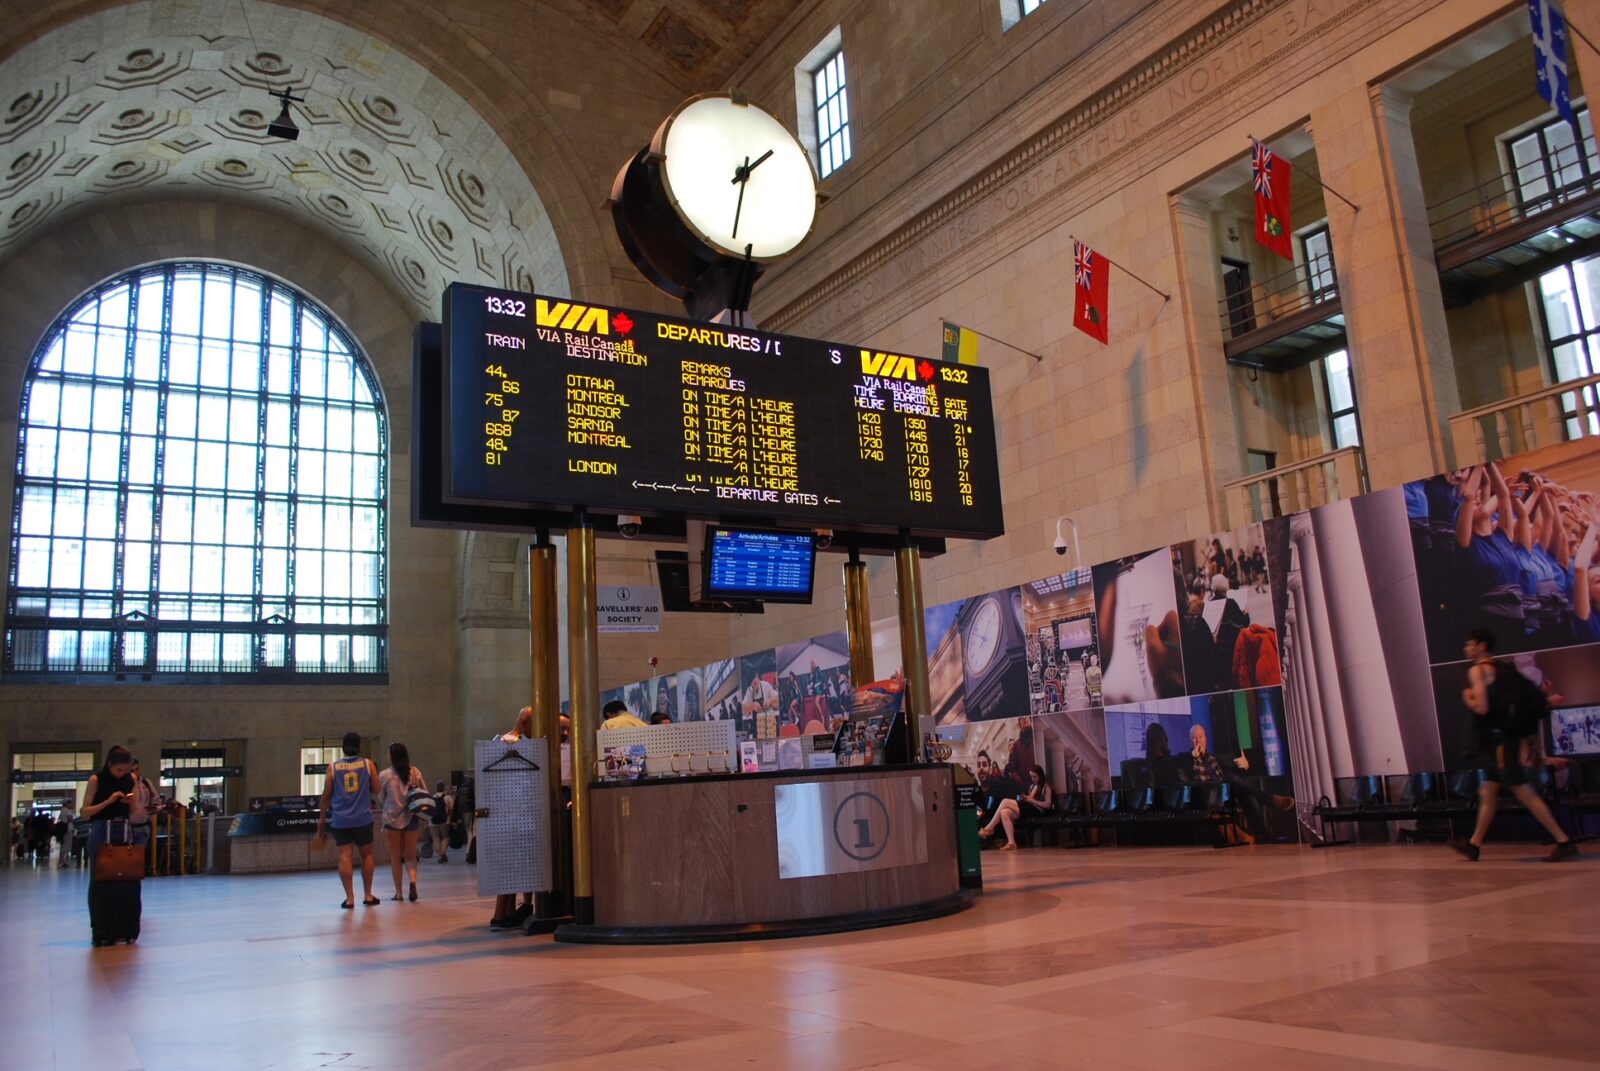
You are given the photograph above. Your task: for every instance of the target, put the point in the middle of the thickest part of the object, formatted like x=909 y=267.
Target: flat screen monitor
x=747 y=563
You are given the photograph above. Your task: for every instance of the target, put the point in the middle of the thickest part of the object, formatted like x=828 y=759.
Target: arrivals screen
x=770 y=566
x=553 y=404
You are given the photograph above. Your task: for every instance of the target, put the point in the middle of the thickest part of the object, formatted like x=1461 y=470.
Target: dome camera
x=823 y=537
x=628 y=525
x=1061 y=545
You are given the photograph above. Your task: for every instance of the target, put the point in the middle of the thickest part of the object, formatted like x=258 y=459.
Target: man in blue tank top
x=347 y=795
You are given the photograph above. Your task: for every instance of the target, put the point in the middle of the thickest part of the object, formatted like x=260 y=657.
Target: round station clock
x=722 y=189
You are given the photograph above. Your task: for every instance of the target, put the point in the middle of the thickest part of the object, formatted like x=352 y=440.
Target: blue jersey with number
x=352 y=794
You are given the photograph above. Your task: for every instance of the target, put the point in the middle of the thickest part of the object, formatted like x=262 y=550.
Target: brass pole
x=546 y=662
x=913 y=639
x=858 y=619
x=583 y=687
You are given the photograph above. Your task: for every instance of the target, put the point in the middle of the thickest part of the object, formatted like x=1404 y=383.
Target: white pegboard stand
x=514 y=837
x=661 y=742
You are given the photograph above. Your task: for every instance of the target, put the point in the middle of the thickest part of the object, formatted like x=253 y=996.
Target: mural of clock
x=994 y=663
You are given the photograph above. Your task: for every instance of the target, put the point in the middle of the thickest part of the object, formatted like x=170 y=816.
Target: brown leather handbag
x=119 y=862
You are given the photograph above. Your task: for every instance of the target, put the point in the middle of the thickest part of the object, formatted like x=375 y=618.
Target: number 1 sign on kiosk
x=552 y=403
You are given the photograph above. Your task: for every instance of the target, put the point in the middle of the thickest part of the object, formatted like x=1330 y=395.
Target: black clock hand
x=741 y=175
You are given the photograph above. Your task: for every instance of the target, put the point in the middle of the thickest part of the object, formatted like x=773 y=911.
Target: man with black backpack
x=1509 y=709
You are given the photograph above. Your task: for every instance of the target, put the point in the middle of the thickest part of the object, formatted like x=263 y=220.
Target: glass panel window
x=833 y=115
x=1547 y=166
x=1317 y=249
x=1341 y=395
x=166 y=415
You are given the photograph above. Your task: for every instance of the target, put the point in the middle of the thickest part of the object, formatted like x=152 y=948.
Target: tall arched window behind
x=200 y=489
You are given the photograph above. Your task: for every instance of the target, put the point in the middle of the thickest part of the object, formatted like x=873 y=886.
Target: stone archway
x=151 y=100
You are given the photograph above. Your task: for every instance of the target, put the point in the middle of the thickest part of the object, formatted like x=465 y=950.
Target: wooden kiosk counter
x=740 y=856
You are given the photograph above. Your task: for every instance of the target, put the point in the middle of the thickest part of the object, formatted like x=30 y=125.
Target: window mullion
x=293 y=511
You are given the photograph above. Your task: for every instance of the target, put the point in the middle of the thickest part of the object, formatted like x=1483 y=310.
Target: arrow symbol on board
x=832 y=501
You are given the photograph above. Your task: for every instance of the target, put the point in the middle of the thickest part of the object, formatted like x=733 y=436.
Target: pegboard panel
x=514 y=836
x=661 y=742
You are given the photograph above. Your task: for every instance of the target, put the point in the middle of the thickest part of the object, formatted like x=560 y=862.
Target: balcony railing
x=1555 y=414
x=1284 y=296
x=1286 y=489
x=1512 y=209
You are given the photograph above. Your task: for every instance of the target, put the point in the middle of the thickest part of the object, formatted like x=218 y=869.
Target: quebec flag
x=1550 y=57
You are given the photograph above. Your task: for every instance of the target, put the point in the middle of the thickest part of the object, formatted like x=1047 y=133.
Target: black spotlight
x=283 y=126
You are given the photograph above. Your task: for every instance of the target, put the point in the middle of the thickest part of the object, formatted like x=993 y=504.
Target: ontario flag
x=1092 y=288
x=1271 y=176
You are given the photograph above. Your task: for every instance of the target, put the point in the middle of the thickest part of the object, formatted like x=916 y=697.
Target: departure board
x=772 y=566
x=551 y=403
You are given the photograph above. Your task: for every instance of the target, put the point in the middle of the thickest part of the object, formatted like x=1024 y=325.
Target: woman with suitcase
x=116 y=866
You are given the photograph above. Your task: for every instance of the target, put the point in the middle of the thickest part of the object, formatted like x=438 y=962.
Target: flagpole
x=1581 y=36
x=1166 y=296
x=1316 y=178
x=991 y=338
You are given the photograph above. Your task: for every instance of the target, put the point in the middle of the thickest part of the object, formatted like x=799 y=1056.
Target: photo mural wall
x=1277 y=656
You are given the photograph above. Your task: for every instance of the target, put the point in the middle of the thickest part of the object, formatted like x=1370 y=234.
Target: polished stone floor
x=1347 y=959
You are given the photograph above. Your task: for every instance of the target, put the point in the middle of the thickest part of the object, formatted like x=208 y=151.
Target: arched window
x=200 y=489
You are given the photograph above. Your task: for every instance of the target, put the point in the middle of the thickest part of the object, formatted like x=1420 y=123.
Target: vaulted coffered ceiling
x=438 y=144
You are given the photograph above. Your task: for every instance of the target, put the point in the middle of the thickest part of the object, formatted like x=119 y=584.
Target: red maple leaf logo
x=925 y=370
x=623 y=323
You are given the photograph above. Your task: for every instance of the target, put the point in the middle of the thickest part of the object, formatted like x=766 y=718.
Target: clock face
x=737 y=178
x=983 y=637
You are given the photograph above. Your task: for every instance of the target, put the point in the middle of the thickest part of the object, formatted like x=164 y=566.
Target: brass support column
x=544 y=648
x=858 y=619
x=583 y=686
x=913 y=640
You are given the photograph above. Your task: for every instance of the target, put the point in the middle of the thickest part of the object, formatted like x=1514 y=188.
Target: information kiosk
x=550 y=412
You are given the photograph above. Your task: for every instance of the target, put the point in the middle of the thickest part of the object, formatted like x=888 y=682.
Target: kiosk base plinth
x=588 y=933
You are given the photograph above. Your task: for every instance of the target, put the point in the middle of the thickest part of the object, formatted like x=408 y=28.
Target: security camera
x=823 y=537
x=1061 y=545
x=628 y=525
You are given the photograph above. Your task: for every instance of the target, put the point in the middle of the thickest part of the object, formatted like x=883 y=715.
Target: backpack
x=420 y=802
x=1517 y=706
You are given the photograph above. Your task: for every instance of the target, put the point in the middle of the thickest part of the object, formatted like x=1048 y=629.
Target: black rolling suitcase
x=114 y=910
x=115 y=899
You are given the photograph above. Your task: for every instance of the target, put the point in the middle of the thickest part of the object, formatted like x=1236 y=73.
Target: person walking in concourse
x=347 y=798
x=1504 y=741
x=401 y=822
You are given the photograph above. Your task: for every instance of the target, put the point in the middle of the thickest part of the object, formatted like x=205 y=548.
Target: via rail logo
x=861 y=826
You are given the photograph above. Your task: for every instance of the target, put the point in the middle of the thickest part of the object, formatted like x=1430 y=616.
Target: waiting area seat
x=1453 y=796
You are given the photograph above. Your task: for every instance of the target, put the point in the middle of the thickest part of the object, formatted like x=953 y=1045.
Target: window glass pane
x=106 y=461
x=68 y=513
x=139 y=515
x=77 y=405
x=99 y=564
x=78 y=357
x=71 y=460
x=182 y=412
x=217 y=298
x=101 y=513
x=1340 y=393
x=44 y=402
x=35 y=512
x=136 y=566
x=142 y=461
x=213 y=417
x=1344 y=432
x=111 y=352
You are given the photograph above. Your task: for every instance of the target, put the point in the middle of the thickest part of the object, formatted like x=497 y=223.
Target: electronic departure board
x=552 y=403
x=771 y=566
